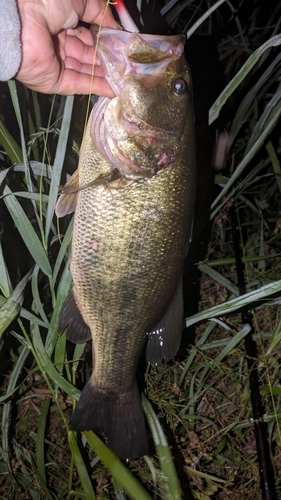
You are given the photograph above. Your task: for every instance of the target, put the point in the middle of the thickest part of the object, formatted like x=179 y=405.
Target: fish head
x=141 y=130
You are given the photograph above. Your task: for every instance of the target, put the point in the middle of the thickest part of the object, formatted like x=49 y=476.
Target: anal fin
x=71 y=320
x=165 y=338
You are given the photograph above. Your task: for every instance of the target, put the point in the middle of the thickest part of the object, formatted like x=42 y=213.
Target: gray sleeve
x=10 y=43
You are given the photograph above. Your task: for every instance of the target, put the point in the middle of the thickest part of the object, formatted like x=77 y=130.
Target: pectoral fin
x=165 y=338
x=71 y=320
x=67 y=201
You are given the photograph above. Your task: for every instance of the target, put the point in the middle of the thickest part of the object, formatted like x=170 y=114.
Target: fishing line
x=88 y=100
x=93 y=68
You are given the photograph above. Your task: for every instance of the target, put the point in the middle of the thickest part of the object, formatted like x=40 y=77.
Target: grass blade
x=193 y=353
x=238 y=337
x=58 y=163
x=63 y=249
x=27 y=232
x=80 y=466
x=62 y=292
x=6 y=412
x=48 y=367
x=40 y=441
x=242 y=73
x=169 y=480
x=265 y=119
x=36 y=296
x=16 y=104
x=5 y=283
x=204 y=268
x=275 y=162
x=133 y=488
x=38 y=169
x=276 y=113
x=9 y=144
x=235 y=304
x=11 y=308
x=203 y=18
x=247 y=102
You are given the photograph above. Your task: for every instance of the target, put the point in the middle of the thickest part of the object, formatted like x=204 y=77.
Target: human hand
x=57 y=56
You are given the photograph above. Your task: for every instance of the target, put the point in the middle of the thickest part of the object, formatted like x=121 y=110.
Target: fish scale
x=130 y=239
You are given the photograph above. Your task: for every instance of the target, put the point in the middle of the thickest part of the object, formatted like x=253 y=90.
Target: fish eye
x=179 y=86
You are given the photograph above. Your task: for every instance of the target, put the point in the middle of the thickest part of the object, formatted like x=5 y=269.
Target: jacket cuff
x=10 y=41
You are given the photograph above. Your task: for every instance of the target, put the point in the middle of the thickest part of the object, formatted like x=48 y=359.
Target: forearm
x=10 y=42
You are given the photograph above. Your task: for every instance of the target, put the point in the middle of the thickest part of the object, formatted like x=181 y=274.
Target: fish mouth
x=110 y=129
x=121 y=129
x=139 y=55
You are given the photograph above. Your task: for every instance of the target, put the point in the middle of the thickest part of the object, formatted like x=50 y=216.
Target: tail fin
x=120 y=417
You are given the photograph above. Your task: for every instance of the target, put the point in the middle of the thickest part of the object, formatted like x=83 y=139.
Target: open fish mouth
x=122 y=130
x=141 y=56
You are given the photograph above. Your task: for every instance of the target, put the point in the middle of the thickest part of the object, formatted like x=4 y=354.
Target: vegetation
x=200 y=413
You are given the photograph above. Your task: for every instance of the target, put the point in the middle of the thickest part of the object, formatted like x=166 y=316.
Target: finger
x=81 y=33
x=104 y=17
x=76 y=47
x=74 y=82
x=87 y=69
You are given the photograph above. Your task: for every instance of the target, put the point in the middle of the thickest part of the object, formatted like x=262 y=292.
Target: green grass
x=201 y=420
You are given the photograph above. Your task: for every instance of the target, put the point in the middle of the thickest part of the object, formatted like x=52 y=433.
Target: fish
x=133 y=196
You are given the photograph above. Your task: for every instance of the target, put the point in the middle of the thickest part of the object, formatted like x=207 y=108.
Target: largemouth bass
x=133 y=197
